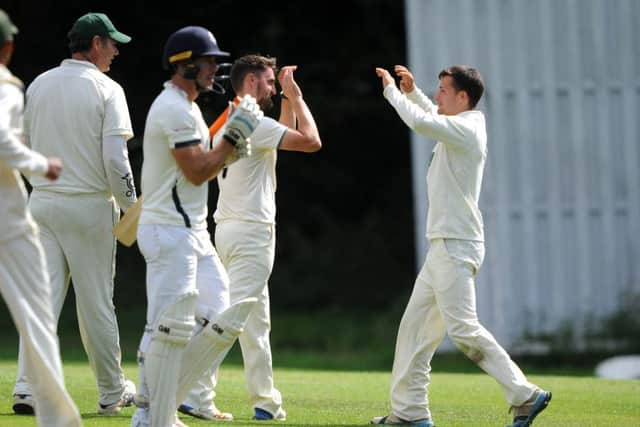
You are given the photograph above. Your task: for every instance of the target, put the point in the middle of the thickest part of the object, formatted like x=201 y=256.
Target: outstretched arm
x=448 y=129
x=413 y=92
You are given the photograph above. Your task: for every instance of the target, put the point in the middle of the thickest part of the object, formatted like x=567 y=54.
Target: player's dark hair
x=467 y=79
x=249 y=64
x=82 y=44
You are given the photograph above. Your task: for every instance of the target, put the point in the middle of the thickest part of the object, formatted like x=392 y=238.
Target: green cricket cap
x=96 y=24
x=7 y=29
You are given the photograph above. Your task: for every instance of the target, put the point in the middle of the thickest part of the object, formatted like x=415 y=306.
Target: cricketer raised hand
x=407 y=81
x=385 y=77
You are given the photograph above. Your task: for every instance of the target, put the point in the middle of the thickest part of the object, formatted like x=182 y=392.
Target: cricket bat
x=126 y=229
x=222 y=118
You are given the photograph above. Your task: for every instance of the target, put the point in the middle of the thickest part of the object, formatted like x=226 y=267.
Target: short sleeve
x=180 y=127
x=116 y=115
x=268 y=135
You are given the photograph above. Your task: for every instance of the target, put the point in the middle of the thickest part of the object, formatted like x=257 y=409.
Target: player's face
x=208 y=66
x=107 y=50
x=265 y=89
x=450 y=101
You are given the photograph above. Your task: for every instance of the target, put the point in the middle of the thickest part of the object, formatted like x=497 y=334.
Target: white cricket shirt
x=169 y=198
x=15 y=157
x=454 y=178
x=69 y=110
x=248 y=186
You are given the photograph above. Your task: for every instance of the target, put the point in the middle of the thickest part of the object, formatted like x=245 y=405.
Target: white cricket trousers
x=26 y=291
x=247 y=250
x=76 y=235
x=444 y=302
x=179 y=261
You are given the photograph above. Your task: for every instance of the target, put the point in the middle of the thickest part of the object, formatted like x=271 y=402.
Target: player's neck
x=188 y=86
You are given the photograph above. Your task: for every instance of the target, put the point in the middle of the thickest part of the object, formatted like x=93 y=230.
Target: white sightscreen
x=562 y=181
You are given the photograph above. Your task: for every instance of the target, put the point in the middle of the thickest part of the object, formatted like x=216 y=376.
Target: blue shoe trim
x=421 y=423
x=185 y=409
x=540 y=405
x=261 y=414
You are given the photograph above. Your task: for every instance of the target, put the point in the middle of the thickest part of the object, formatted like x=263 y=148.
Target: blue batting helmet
x=189 y=43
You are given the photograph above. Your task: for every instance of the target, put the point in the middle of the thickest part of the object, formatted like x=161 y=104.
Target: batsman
x=185 y=278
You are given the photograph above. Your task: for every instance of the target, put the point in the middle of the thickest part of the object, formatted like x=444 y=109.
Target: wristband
x=232 y=136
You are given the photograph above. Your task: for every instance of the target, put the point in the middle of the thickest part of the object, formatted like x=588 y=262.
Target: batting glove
x=242 y=121
x=241 y=149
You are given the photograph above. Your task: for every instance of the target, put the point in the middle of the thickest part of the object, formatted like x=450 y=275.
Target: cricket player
x=443 y=299
x=77 y=113
x=245 y=224
x=185 y=278
x=24 y=282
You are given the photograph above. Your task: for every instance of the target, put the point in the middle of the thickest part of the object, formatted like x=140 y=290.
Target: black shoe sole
x=23 y=409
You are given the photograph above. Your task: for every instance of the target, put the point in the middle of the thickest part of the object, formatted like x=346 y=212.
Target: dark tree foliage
x=345 y=214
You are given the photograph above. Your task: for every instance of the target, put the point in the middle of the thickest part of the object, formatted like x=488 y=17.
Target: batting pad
x=142 y=396
x=208 y=349
x=162 y=360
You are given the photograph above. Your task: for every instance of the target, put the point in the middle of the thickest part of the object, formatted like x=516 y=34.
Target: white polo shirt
x=248 y=186
x=15 y=157
x=454 y=178
x=69 y=110
x=169 y=198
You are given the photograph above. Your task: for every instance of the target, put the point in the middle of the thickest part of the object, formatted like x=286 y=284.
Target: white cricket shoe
x=23 y=404
x=140 y=418
x=392 y=420
x=210 y=413
x=125 y=400
x=262 y=415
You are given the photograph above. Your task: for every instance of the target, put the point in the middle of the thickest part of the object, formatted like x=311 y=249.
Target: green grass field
x=339 y=381
x=351 y=398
